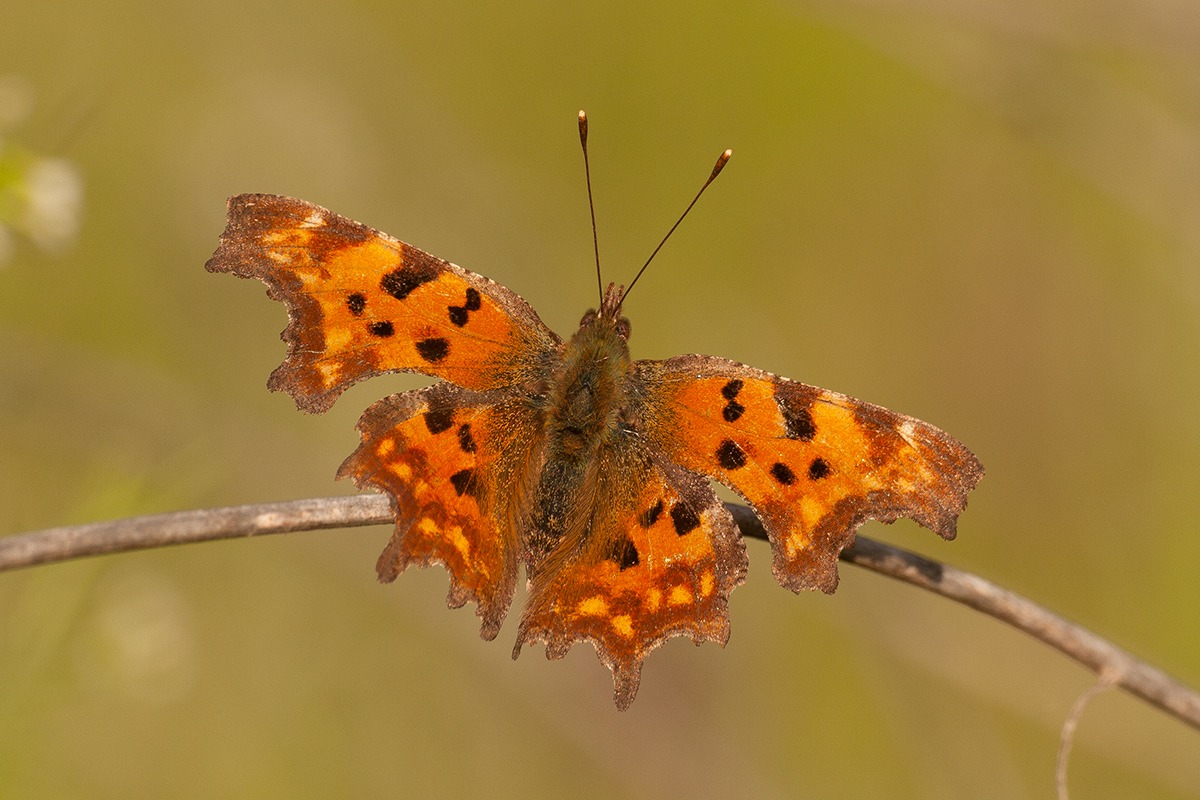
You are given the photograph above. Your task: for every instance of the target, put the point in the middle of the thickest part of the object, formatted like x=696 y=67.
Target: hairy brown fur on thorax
x=586 y=396
x=588 y=393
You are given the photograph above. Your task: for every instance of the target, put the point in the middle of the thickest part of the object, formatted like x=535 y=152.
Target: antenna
x=587 y=172
x=720 y=165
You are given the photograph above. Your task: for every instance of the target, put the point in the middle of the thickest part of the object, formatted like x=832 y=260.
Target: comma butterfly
x=588 y=467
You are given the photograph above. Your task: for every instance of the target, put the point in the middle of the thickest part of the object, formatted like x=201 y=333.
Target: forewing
x=814 y=464
x=361 y=303
x=660 y=558
x=451 y=461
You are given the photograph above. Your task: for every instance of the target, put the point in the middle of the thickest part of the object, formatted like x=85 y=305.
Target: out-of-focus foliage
x=981 y=213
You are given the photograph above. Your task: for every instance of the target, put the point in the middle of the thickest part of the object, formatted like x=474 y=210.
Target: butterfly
x=568 y=457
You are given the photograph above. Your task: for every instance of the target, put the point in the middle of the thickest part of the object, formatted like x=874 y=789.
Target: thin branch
x=185 y=527
x=139 y=533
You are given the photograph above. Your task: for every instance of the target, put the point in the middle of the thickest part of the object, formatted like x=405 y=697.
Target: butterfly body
x=589 y=389
x=585 y=395
x=589 y=468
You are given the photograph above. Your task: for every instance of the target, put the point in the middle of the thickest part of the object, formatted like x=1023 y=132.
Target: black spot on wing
x=433 y=350
x=819 y=468
x=730 y=455
x=625 y=554
x=799 y=424
x=732 y=411
x=783 y=473
x=460 y=314
x=651 y=515
x=463 y=480
x=382 y=329
x=465 y=441
x=731 y=389
x=795 y=405
x=402 y=281
x=439 y=419
x=684 y=519
x=356 y=302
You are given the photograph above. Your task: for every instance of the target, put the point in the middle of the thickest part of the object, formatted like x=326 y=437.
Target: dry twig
x=138 y=533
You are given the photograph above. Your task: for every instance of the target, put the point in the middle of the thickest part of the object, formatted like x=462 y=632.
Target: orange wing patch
x=361 y=303
x=436 y=454
x=661 y=565
x=814 y=464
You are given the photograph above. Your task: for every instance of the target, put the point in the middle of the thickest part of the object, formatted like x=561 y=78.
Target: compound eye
x=623 y=328
x=588 y=318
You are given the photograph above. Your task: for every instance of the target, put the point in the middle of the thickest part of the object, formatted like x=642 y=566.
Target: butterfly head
x=609 y=314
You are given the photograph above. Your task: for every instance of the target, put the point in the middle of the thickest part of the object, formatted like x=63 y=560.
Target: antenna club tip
x=722 y=160
x=583 y=126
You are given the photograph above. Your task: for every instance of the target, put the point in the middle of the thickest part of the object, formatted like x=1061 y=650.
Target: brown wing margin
x=814 y=464
x=361 y=303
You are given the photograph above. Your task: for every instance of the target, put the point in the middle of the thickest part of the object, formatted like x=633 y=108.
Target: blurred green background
x=980 y=213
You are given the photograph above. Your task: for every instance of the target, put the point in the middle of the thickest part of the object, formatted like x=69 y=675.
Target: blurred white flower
x=41 y=198
x=53 y=194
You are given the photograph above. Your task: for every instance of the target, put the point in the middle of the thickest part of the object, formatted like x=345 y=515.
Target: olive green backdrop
x=984 y=214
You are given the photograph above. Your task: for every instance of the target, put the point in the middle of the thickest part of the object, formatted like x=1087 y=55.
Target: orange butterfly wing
x=361 y=303
x=660 y=558
x=814 y=464
x=449 y=458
